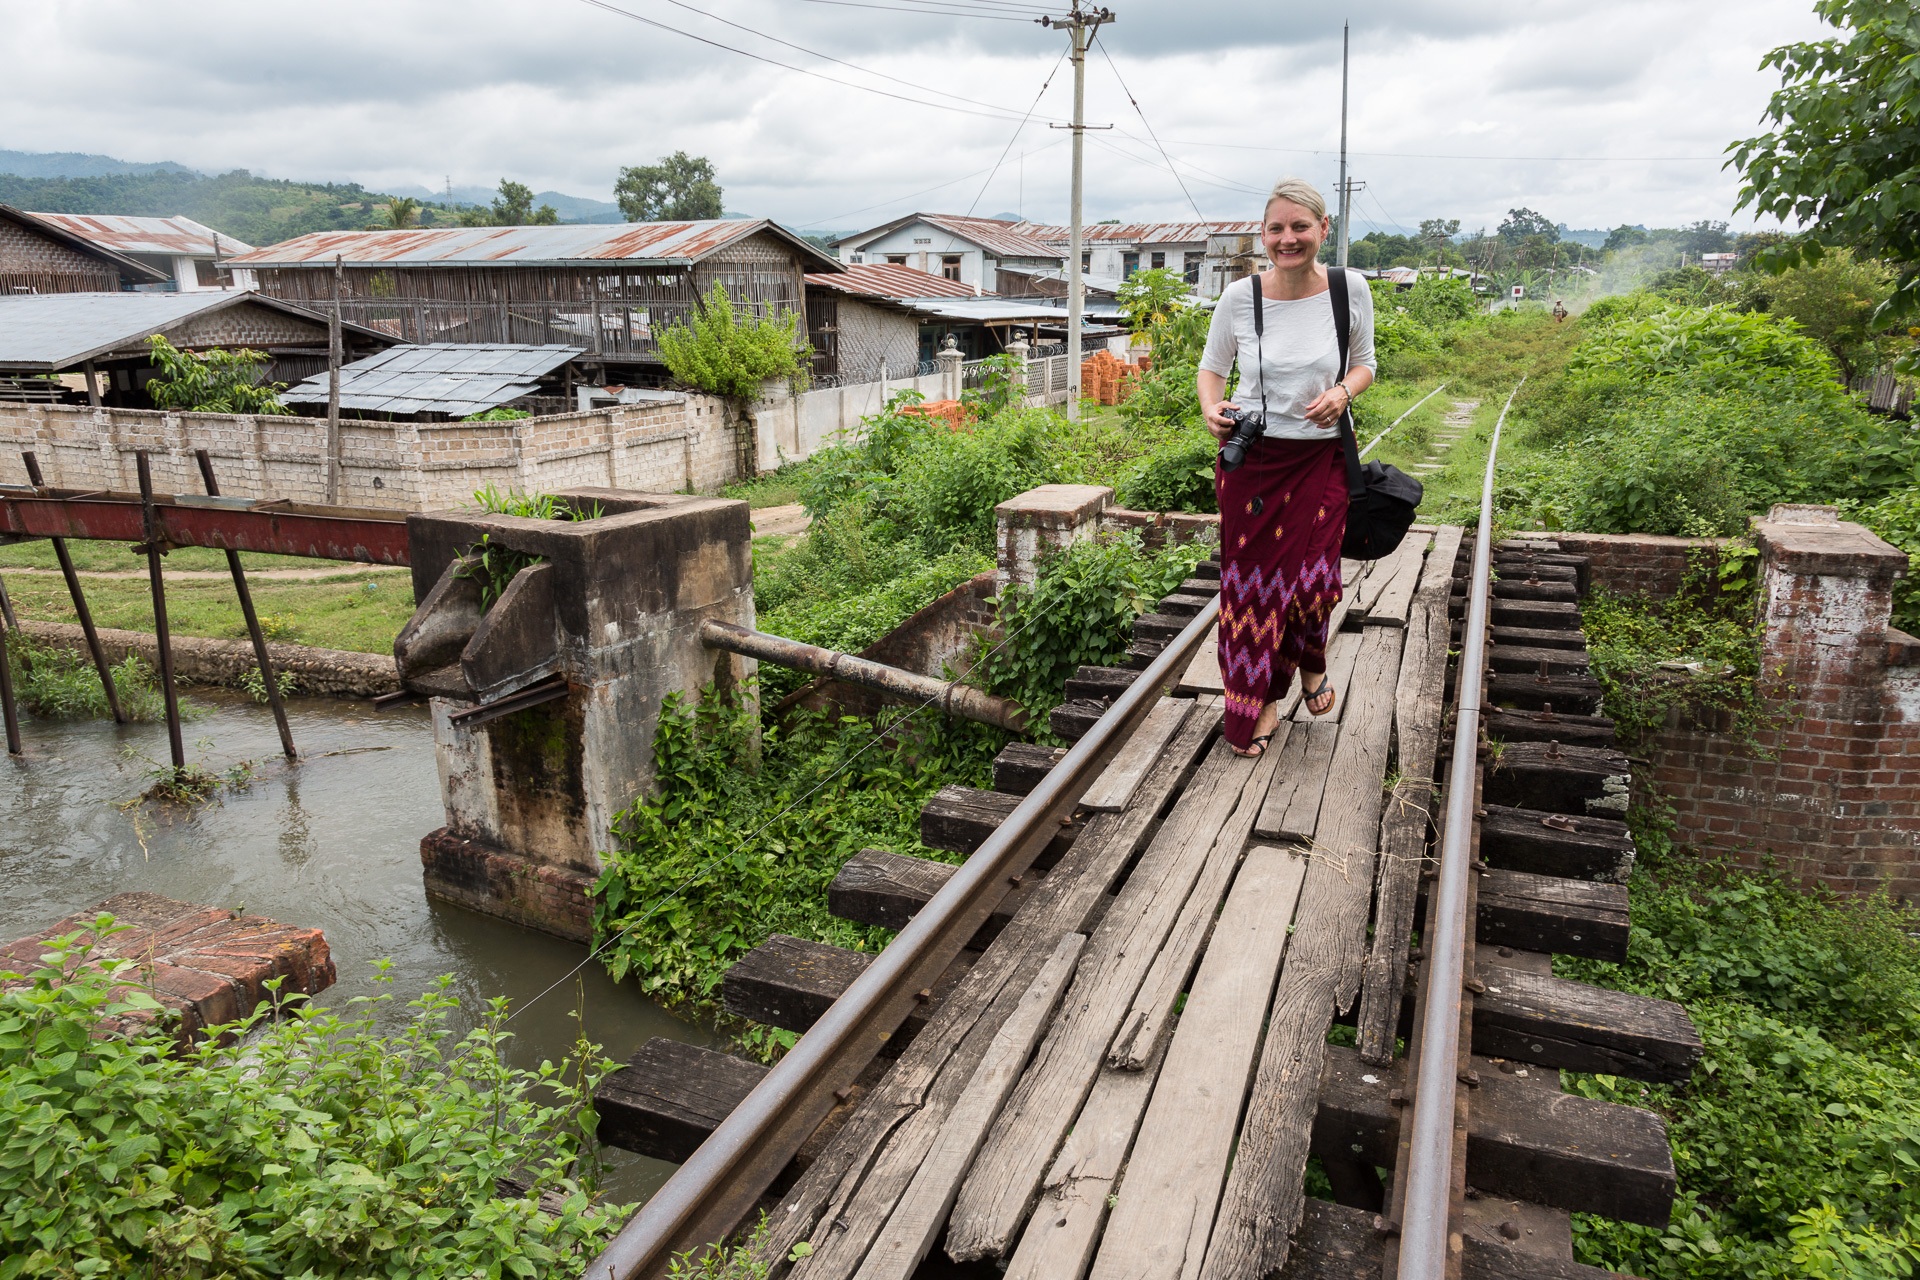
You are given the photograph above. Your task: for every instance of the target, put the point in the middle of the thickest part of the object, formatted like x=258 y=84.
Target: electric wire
x=788 y=66
x=944 y=13
x=674 y=893
x=1115 y=68
x=1440 y=155
x=827 y=223
x=1211 y=179
x=1008 y=150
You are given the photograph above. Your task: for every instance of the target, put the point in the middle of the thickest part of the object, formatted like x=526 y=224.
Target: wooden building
x=39 y=256
x=609 y=289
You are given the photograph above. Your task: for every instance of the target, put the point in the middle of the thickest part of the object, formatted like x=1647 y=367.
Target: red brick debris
x=205 y=965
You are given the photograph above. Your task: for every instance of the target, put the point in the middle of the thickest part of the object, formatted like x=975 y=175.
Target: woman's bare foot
x=1262 y=731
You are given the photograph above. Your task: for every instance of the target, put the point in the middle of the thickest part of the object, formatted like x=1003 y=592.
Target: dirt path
x=220 y=575
x=777 y=522
x=1452 y=427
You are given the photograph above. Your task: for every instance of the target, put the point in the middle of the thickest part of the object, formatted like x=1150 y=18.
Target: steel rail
x=1424 y=1225
x=1402 y=418
x=720 y=1183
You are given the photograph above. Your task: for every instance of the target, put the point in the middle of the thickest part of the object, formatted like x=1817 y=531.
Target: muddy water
x=333 y=842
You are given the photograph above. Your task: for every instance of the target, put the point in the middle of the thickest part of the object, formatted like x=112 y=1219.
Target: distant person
x=1283 y=511
x=1559 y=309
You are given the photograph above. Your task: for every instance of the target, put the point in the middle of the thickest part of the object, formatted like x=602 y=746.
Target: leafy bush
x=1896 y=517
x=1699 y=649
x=502 y=414
x=212 y=381
x=729 y=354
x=1176 y=476
x=62 y=684
x=1166 y=395
x=949 y=482
x=1149 y=298
x=1714 y=348
x=313 y=1147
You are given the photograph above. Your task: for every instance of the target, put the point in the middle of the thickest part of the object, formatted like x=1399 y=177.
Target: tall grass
x=61 y=684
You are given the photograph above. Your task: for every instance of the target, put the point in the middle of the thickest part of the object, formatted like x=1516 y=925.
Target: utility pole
x=1346 y=187
x=1081 y=24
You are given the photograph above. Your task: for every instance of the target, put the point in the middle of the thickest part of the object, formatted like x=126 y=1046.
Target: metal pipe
x=79 y=602
x=1424 y=1225
x=720 y=1182
x=253 y=620
x=163 y=639
x=950 y=696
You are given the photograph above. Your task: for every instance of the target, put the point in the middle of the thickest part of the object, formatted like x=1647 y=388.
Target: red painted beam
x=234 y=524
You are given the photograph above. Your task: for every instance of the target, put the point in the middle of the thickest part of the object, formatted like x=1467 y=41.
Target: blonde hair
x=1300 y=192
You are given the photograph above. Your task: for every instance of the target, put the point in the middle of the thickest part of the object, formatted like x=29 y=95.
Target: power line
x=1143 y=120
x=788 y=66
x=945 y=13
x=827 y=224
x=1436 y=155
x=1220 y=179
x=1016 y=132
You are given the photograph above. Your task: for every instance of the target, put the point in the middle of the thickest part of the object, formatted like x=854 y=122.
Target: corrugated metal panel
x=122 y=234
x=458 y=379
x=53 y=331
x=890 y=280
x=644 y=244
x=1002 y=239
x=1137 y=232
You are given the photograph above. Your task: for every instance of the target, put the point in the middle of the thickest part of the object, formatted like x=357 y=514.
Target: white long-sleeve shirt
x=1300 y=352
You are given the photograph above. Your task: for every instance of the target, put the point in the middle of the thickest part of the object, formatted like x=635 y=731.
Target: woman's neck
x=1291 y=286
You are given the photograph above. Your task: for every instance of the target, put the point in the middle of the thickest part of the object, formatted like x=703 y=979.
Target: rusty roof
x=122 y=234
x=653 y=244
x=54 y=231
x=890 y=280
x=1139 y=232
x=1002 y=239
x=49 y=332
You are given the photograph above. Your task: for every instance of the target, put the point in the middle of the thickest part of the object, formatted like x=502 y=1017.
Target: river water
x=332 y=841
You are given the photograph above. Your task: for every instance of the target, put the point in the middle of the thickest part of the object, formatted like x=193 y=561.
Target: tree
x=212 y=381
x=729 y=354
x=1624 y=237
x=1833 y=302
x=1522 y=223
x=1844 y=155
x=402 y=212
x=513 y=207
x=1149 y=297
x=1437 y=233
x=678 y=189
x=1704 y=237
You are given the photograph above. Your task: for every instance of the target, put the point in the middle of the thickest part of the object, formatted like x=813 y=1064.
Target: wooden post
x=93 y=389
x=7 y=711
x=253 y=621
x=79 y=603
x=333 y=390
x=150 y=531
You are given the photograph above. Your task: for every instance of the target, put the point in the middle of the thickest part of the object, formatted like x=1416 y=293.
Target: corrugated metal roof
x=1138 y=232
x=127 y=267
x=990 y=310
x=454 y=378
x=175 y=235
x=1002 y=239
x=49 y=332
x=658 y=244
x=890 y=280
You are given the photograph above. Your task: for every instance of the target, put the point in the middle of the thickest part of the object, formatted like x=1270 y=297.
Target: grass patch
x=93 y=556
x=61 y=684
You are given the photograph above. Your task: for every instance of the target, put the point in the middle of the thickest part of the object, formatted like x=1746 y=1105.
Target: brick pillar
x=1042 y=520
x=1826 y=595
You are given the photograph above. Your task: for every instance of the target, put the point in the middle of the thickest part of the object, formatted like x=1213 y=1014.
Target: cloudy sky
x=1592 y=114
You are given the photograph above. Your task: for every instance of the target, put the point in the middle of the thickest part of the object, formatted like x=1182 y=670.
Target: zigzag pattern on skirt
x=1321 y=574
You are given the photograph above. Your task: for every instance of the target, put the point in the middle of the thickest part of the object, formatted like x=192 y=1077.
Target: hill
x=75 y=164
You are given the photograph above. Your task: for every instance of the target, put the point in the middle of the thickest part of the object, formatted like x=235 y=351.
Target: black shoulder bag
x=1381 y=499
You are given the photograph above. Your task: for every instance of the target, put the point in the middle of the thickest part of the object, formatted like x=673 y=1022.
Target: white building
x=1203 y=253
x=971 y=251
x=177 y=247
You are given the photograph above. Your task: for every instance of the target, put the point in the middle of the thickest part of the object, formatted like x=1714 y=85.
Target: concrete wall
x=787 y=428
x=872 y=338
x=939 y=640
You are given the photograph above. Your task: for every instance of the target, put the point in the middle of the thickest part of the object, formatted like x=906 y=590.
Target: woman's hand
x=1217 y=423
x=1327 y=407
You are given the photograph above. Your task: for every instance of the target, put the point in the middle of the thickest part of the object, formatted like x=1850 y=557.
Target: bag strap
x=1342 y=324
x=1259 y=352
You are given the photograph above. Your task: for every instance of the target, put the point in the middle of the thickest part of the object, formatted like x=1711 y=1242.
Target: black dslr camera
x=1247 y=427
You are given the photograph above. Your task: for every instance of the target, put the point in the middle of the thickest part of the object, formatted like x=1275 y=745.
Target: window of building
x=859 y=257
x=1129 y=265
x=1194 y=258
x=924 y=240
x=950 y=266
x=1159 y=261
x=1086 y=260
x=896 y=259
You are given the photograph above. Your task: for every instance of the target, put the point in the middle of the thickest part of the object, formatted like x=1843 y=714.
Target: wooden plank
x=1071 y=720
x=1568 y=779
x=873 y=1157
x=1579 y=847
x=1179 y=1161
x=1203 y=673
x=1338 y=1243
x=1292 y=806
x=1417 y=714
x=790 y=982
x=1396 y=597
x=1525 y=1139
x=1532 y=726
x=959 y=819
x=1150 y=1018
x=1343 y=650
x=1526 y=659
x=1578 y=695
x=1006 y=1178
x=1101 y=683
x=1020 y=766
x=1553 y=915
x=1539 y=1018
x=1535 y=638
x=669 y=1097
x=1263 y=1197
x=888 y=889
x=922 y=1210
x=1117 y=783
x=1411 y=553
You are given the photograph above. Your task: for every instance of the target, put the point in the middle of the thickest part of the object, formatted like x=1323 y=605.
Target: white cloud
x=560 y=94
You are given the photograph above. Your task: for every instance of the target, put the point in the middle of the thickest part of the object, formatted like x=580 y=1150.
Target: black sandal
x=1326 y=690
x=1260 y=742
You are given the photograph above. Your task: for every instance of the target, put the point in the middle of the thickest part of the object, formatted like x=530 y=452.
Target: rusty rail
x=950 y=696
x=1425 y=1225
x=183 y=520
x=709 y=1194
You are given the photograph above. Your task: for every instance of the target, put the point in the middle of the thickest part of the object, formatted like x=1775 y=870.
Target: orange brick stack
x=957 y=416
x=1107 y=379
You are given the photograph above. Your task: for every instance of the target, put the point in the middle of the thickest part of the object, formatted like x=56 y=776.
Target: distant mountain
x=1591 y=239
x=74 y=164
x=1005 y=217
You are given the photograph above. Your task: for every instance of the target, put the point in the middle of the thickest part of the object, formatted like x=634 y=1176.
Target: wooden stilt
x=12 y=622
x=150 y=528
x=7 y=711
x=253 y=620
x=80 y=603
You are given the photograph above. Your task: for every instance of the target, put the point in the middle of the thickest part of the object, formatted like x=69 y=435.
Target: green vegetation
x=213 y=381
x=681 y=188
x=61 y=684
x=1798 y=1139
x=311 y=1146
x=730 y=354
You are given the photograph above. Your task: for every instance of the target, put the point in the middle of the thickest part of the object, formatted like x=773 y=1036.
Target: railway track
x=1170 y=989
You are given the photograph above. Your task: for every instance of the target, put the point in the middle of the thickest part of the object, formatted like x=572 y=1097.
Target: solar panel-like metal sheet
x=454 y=378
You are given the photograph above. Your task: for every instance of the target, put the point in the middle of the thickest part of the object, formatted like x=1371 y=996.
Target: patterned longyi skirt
x=1283 y=513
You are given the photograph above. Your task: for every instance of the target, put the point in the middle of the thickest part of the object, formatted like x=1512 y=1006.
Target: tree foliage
x=1523 y=222
x=212 y=381
x=513 y=207
x=731 y=354
x=1844 y=154
x=1149 y=297
x=680 y=188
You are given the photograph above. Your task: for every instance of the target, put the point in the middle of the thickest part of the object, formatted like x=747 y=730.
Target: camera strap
x=1337 y=284
x=1259 y=352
